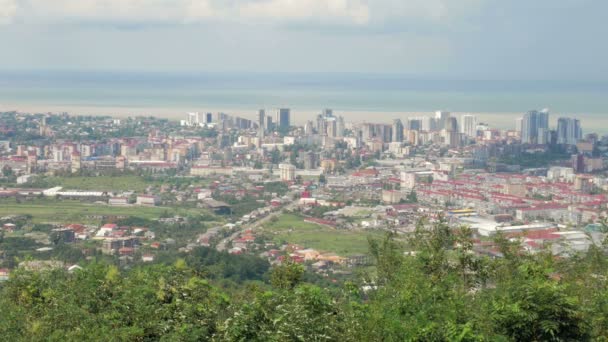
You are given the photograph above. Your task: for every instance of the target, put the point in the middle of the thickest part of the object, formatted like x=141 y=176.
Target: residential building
x=288 y=172
x=569 y=131
x=441 y=119
x=468 y=125
x=283 y=118
x=397 y=131
x=535 y=127
x=148 y=200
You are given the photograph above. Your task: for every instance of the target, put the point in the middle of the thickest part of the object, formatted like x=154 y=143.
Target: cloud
x=342 y=12
x=113 y=11
x=350 y=10
x=183 y=11
x=8 y=8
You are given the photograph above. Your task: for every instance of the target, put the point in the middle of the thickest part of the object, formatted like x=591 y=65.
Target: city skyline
x=303 y=170
x=533 y=128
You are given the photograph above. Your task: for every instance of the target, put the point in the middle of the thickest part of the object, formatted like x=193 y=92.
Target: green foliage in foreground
x=443 y=292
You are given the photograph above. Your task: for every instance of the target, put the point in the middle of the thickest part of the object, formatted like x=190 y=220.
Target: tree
x=286 y=276
x=534 y=307
x=150 y=303
x=322 y=179
x=7 y=171
x=305 y=313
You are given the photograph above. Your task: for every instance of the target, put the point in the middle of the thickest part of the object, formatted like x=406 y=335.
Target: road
x=221 y=246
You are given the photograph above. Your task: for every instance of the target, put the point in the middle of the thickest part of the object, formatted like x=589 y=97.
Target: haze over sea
x=358 y=97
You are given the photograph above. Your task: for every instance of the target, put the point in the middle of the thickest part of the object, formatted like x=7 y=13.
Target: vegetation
x=101 y=183
x=443 y=292
x=70 y=211
x=534 y=160
x=293 y=229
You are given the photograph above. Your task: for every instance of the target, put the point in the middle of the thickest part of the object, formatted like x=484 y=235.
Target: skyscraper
x=261 y=128
x=528 y=127
x=332 y=128
x=283 y=118
x=321 y=125
x=535 y=127
x=451 y=124
x=268 y=123
x=328 y=113
x=261 y=117
x=414 y=124
x=194 y=119
x=468 y=125
x=341 y=127
x=397 y=131
x=569 y=131
x=428 y=124
x=308 y=128
x=543 y=119
x=441 y=119
x=518 y=124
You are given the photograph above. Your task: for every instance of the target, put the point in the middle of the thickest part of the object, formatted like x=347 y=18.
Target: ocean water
x=359 y=97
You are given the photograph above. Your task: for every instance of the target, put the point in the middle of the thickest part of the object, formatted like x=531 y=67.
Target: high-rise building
x=261 y=128
x=283 y=118
x=535 y=127
x=518 y=124
x=332 y=128
x=75 y=162
x=529 y=128
x=450 y=138
x=397 y=131
x=543 y=119
x=366 y=132
x=308 y=128
x=261 y=117
x=384 y=132
x=321 y=125
x=569 y=131
x=441 y=119
x=269 y=124
x=287 y=171
x=328 y=113
x=451 y=124
x=194 y=119
x=428 y=124
x=414 y=124
x=340 y=127
x=468 y=125
x=310 y=160
x=32 y=162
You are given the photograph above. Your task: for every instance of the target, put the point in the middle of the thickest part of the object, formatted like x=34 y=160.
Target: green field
x=293 y=229
x=68 y=211
x=102 y=183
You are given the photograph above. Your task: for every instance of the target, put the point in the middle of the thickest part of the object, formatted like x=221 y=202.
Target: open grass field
x=68 y=211
x=293 y=229
x=102 y=183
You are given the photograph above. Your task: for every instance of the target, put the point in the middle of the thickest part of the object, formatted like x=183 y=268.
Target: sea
x=359 y=97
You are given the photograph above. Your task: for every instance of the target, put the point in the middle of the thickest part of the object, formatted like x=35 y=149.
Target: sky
x=456 y=39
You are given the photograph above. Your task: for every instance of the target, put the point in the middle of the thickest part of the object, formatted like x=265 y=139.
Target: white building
x=288 y=172
x=147 y=200
x=192 y=119
x=469 y=125
x=441 y=119
x=558 y=173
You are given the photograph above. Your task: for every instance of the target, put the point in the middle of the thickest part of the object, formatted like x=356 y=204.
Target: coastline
x=500 y=120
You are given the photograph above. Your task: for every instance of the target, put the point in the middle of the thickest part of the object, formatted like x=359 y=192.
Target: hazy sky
x=473 y=39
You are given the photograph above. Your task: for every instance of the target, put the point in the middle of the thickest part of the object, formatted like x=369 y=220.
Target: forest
x=432 y=288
